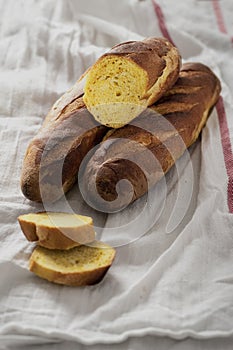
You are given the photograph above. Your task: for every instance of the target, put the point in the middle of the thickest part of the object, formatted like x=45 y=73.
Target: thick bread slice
x=57 y=230
x=78 y=266
x=145 y=150
x=130 y=77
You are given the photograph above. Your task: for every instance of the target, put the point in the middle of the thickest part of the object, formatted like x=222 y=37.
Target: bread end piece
x=79 y=266
x=57 y=230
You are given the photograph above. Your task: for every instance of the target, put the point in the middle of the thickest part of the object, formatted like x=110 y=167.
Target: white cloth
x=177 y=279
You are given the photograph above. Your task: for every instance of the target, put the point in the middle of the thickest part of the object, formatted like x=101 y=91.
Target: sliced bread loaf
x=83 y=265
x=128 y=78
x=57 y=230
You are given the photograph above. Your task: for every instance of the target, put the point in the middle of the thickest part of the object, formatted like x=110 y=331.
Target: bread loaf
x=79 y=266
x=130 y=77
x=164 y=131
x=54 y=155
x=57 y=230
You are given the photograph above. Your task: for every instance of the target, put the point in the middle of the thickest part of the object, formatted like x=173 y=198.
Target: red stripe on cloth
x=224 y=130
x=219 y=16
x=161 y=21
x=227 y=150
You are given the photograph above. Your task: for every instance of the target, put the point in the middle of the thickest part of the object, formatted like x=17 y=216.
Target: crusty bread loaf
x=130 y=77
x=57 y=230
x=83 y=265
x=54 y=155
x=166 y=130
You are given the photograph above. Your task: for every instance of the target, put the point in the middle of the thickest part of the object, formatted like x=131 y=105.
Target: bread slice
x=83 y=265
x=57 y=230
x=130 y=77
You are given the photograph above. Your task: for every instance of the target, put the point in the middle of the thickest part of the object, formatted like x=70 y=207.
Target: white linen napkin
x=176 y=279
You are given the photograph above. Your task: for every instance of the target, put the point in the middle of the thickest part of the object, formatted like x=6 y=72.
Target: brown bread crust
x=167 y=129
x=54 y=155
